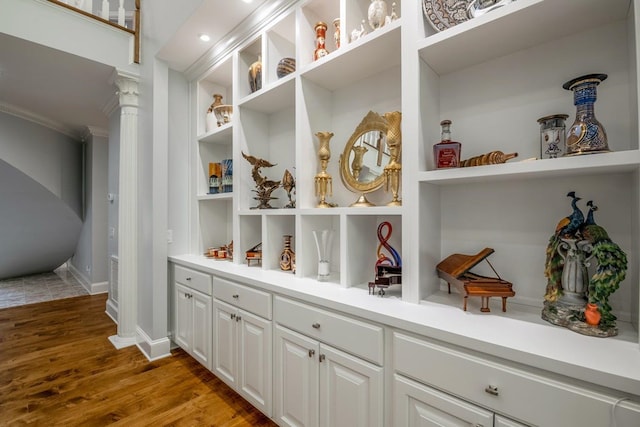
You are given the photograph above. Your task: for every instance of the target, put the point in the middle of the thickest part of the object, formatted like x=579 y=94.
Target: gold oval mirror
x=364 y=158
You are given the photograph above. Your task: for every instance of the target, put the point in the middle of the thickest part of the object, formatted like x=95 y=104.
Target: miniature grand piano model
x=455 y=270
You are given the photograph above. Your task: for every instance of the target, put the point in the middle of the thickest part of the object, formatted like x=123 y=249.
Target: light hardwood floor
x=57 y=368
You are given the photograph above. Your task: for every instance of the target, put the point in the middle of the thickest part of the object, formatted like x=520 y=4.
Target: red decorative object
x=592 y=314
x=321 y=32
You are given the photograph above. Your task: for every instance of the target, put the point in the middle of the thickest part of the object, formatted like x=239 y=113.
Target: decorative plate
x=443 y=14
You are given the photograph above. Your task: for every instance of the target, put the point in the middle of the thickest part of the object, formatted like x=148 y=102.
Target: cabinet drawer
x=252 y=300
x=529 y=396
x=354 y=336
x=193 y=279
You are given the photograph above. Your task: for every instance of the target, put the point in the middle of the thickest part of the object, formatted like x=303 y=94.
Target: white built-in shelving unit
x=493 y=76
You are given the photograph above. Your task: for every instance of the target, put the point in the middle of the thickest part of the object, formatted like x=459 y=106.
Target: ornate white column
x=127 y=212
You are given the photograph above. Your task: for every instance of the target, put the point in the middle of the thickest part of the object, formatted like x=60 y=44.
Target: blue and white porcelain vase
x=586 y=135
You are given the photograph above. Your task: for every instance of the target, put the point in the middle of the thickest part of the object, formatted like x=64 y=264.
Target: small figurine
x=358 y=32
x=289 y=184
x=572 y=298
x=388 y=270
x=264 y=186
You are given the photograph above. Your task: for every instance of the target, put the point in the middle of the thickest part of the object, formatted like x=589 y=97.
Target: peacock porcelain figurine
x=574 y=299
x=611 y=269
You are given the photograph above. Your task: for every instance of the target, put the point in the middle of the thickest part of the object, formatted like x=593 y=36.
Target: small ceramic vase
x=377 y=13
x=592 y=314
x=255 y=75
x=336 y=33
x=586 y=135
x=321 y=32
x=552 y=136
x=287 y=257
x=285 y=66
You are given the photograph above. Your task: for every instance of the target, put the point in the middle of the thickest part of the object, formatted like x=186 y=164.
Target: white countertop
x=609 y=362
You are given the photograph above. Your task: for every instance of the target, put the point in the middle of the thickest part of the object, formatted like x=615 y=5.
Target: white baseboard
x=152 y=349
x=99 y=288
x=112 y=311
x=92 y=288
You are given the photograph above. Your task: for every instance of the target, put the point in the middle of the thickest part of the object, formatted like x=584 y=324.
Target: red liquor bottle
x=446 y=153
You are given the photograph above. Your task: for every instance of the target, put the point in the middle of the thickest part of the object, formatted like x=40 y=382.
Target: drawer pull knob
x=492 y=390
x=236 y=296
x=316 y=326
x=321 y=358
x=188 y=278
x=311 y=352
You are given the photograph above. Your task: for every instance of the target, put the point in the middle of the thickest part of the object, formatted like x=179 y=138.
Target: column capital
x=128 y=89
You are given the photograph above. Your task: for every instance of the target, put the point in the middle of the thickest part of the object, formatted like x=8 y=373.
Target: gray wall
x=49 y=157
x=90 y=258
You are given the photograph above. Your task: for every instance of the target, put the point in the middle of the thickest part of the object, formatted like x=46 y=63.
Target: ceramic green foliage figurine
x=574 y=298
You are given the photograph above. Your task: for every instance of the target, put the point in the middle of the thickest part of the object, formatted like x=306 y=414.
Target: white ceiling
x=71 y=92
x=54 y=87
x=213 y=17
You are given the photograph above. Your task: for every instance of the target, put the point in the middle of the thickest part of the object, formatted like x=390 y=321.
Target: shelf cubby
x=217 y=81
x=307 y=255
x=277 y=226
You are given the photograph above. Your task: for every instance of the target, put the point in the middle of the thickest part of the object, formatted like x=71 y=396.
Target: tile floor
x=58 y=284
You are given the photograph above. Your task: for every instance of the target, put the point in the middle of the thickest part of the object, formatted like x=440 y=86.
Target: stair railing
x=85 y=7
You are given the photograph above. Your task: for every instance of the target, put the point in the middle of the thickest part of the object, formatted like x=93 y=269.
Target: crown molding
x=95 y=131
x=249 y=27
x=39 y=119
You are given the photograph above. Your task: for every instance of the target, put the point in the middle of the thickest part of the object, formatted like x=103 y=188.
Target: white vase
x=377 y=13
x=210 y=122
x=323 y=238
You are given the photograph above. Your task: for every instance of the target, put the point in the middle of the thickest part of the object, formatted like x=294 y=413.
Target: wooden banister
x=135 y=32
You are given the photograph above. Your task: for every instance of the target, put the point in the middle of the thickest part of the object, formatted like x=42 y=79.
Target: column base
x=122 y=342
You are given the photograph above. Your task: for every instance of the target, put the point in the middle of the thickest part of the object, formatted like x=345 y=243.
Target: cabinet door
x=351 y=390
x=201 y=328
x=418 y=405
x=255 y=364
x=296 y=379
x=182 y=317
x=224 y=342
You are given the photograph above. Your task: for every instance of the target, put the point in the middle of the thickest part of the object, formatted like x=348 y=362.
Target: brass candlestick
x=393 y=170
x=323 y=180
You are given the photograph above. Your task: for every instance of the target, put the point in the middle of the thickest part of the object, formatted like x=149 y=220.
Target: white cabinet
x=505 y=387
x=328 y=368
x=417 y=405
x=318 y=385
x=192 y=313
x=242 y=347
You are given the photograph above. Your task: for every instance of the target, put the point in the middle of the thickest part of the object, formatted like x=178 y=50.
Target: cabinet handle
x=233 y=316
x=238 y=318
x=311 y=352
x=321 y=358
x=188 y=279
x=316 y=326
x=492 y=390
x=236 y=296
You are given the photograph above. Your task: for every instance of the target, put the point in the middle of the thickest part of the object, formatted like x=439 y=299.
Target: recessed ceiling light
x=204 y=37
x=248 y=1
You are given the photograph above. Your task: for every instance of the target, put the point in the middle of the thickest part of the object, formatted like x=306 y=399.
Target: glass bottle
x=446 y=153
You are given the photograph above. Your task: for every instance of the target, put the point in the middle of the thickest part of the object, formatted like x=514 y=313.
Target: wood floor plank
x=57 y=368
